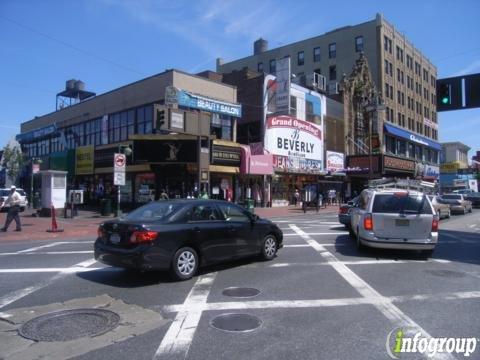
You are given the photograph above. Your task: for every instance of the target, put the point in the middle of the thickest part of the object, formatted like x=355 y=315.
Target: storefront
x=297 y=149
x=256 y=171
x=225 y=170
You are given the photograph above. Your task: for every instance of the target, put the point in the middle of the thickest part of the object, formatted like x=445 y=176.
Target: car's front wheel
x=269 y=247
x=185 y=263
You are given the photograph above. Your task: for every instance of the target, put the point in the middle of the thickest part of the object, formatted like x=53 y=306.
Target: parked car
x=441 y=208
x=474 y=198
x=3 y=197
x=463 y=191
x=181 y=235
x=394 y=219
x=344 y=212
x=458 y=203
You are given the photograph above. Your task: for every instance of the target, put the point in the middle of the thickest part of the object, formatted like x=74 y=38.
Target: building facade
x=401 y=75
x=455 y=171
x=181 y=129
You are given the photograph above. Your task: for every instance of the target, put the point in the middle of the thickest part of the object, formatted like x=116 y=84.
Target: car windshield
x=21 y=192
x=401 y=203
x=154 y=211
x=452 y=197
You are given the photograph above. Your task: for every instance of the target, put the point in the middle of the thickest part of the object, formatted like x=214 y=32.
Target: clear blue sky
x=109 y=43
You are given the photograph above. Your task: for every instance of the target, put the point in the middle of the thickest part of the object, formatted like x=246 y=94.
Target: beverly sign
x=293 y=138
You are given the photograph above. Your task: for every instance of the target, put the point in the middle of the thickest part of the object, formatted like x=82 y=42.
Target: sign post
x=119 y=165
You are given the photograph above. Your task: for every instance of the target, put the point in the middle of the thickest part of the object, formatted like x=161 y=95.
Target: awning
x=412 y=137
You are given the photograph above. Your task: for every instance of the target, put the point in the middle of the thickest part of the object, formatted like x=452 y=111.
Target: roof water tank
x=260 y=46
x=79 y=85
x=70 y=84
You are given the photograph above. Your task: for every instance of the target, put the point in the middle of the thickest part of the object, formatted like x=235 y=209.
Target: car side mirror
x=255 y=217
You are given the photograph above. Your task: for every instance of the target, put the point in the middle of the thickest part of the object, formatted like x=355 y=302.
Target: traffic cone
x=54 y=221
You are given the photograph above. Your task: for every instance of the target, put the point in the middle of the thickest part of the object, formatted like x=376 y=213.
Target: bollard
x=54 y=227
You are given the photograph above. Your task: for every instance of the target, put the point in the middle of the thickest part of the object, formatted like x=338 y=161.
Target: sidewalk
x=85 y=225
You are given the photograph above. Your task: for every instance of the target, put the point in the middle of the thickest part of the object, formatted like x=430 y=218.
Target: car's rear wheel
x=358 y=242
x=269 y=247
x=185 y=263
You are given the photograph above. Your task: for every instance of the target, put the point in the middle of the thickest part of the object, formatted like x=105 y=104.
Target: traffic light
x=160 y=119
x=445 y=94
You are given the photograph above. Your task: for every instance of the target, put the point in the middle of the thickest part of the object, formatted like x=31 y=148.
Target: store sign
x=361 y=164
x=449 y=168
x=199 y=102
x=300 y=142
x=225 y=155
x=36 y=134
x=397 y=164
x=261 y=164
x=282 y=94
x=431 y=172
x=335 y=161
x=295 y=164
x=84 y=160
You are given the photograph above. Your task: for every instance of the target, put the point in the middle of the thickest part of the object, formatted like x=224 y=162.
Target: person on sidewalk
x=163 y=195
x=13 y=201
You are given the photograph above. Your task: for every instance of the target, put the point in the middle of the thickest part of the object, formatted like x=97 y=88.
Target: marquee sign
x=299 y=142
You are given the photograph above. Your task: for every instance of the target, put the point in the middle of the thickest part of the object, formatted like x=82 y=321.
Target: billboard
x=334 y=161
x=296 y=144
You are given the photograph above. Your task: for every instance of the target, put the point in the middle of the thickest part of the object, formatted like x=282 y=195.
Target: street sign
x=119 y=162
x=119 y=178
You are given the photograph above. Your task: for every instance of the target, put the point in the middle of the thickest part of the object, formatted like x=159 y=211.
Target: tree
x=13 y=159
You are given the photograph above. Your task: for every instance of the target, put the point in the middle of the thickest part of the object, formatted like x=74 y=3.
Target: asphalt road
x=318 y=299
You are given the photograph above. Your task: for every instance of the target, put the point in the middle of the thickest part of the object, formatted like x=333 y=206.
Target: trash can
x=249 y=205
x=105 y=207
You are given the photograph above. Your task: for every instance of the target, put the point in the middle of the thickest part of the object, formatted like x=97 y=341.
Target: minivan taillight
x=368 y=222
x=139 y=237
x=343 y=209
x=435 y=223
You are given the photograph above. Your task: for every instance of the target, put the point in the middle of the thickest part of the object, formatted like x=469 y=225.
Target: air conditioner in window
x=332 y=88
x=316 y=81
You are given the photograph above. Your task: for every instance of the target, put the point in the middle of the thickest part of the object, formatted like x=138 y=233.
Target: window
x=387 y=44
x=310 y=116
x=144 y=119
x=260 y=67
x=332 y=50
x=332 y=71
x=359 y=43
x=387 y=90
x=301 y=58
x=411 y=150
x=391 y=92
x=221 y=126
x=401 y=147
x=391 y=204
x=293 y=106
x=316 y=54
x=398 y=74
x=203 y=213
x=390 y=144
x=232 y=213
x=418 y=152
x=386 y=67
x=399 y=119
x=273 y=66
x=390 y=66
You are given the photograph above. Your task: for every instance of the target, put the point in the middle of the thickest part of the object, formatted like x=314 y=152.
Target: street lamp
x=34 y=161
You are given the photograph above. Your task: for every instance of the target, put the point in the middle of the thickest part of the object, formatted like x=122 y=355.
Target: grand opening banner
x=298 y=142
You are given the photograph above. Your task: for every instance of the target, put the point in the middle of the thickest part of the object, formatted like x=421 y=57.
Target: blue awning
x=412 y=137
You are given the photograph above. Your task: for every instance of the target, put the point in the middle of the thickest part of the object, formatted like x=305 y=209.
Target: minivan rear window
x=391 y=204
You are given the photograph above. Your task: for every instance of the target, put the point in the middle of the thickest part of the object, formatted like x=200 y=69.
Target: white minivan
x=395 y=219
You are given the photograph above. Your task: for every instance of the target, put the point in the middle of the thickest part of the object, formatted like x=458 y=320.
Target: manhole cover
x=240 y=292
x=69 y=325
x=236 y=322
x=446 y=273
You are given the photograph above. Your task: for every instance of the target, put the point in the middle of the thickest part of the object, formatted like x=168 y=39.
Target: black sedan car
x=181 y=235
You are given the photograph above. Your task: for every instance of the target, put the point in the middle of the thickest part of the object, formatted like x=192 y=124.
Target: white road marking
x=19 y=294
x=285 y=304
x=179 y=336
x=67 y=270
x=321 y=233
x=39 y=247
x=49 y=253
x=383 y=304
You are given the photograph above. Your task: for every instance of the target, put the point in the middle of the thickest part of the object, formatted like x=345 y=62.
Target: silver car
x=395 y=219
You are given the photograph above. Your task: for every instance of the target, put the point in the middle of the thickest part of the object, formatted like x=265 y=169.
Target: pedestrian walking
x=13 y=201
x=296 y=197
x=163 y=195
